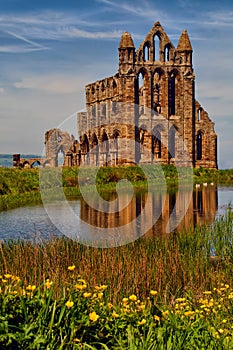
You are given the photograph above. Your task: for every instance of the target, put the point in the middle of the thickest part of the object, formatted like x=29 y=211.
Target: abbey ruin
x=146 y=113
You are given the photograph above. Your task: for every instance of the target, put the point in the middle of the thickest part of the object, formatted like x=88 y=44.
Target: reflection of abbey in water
x=202 y=209
x=150 y=101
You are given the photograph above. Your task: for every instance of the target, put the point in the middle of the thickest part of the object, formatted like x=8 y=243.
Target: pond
x=142 y=214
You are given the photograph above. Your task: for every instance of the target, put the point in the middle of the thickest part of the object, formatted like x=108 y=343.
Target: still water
x=33 y=223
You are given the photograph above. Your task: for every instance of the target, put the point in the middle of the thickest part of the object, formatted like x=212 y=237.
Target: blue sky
x=49 y=51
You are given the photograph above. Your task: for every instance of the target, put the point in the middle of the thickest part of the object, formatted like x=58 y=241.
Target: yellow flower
x=71 y=268
x=48 y=284
x=80 y=286
x=180 y=300
x=133 y=297
x=110 y=305
x=114 y=314
x=156 y=318
x=93 y=316
x=86 y=295
x=221 y=331
x=102 y=287
x=31 y=287
x=69 y=304
x=125 y=300
x=189 y=313
x=207 y=292
x=7 y=276
x=165 y=313
x=142 y=322
x=153 y=292
x=100 y=295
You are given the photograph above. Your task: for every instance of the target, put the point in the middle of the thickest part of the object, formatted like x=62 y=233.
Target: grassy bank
x=19 y=187
x=62 y=295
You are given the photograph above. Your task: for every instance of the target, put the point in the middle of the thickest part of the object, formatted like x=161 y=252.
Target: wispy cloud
x=52 y=84
x=22 y=38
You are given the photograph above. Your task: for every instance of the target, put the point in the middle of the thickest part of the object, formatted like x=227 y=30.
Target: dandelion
x=133 y=297
x=100 y=295
x=48 y=284
x=189 y=313
x=153 y=292
x=71 y=268
x=114 y=314
x=80 y=286
x=93 y=316
x=69 y=304
x=86 y=294
x=125 y=300
x=165 y=313
x=180 y=300
x=142 y=322
x=31 y=288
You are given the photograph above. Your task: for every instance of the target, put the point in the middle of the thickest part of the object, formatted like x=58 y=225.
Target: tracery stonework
x=158 y=79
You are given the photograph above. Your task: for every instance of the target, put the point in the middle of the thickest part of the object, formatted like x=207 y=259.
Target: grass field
x=173 y=292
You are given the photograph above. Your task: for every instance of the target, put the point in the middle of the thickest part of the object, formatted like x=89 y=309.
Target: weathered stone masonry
x=149 y=104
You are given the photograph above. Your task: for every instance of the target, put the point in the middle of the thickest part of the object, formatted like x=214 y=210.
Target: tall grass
x=187 y=262
x=168 y=292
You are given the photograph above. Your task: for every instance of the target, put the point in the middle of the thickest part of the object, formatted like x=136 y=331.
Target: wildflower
x=221 y=331
x=69 y=304
x=180 y=300
x=165 y=313
x=110 y=305
x=156 y=318
x=153 y=292
x=207 y=292
x=114 y=314
x=125 y=300
x=142 y=322
x=7 y=276
x=133 y=297
x=71 y=268
x=48 y=284
x=93 y=316
x=86 y=294
x=100 y=295
x=189 y=313
x=102 y=287
x=80 y=286
x=31 y=288
x=224 y=321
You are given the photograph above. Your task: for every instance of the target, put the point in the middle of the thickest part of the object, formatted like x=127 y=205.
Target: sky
x=49 y=51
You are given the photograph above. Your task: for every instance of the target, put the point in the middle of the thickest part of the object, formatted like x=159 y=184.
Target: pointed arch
x=172 y=142
x=85 y=144
x=172 y=82
x=167 y=49
x=104 y=148
x=115 y=146
x=157 y=91
x=140 y=90
x=146 y=51
x=156 y=42
x=200 y=145
x=199 y=114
